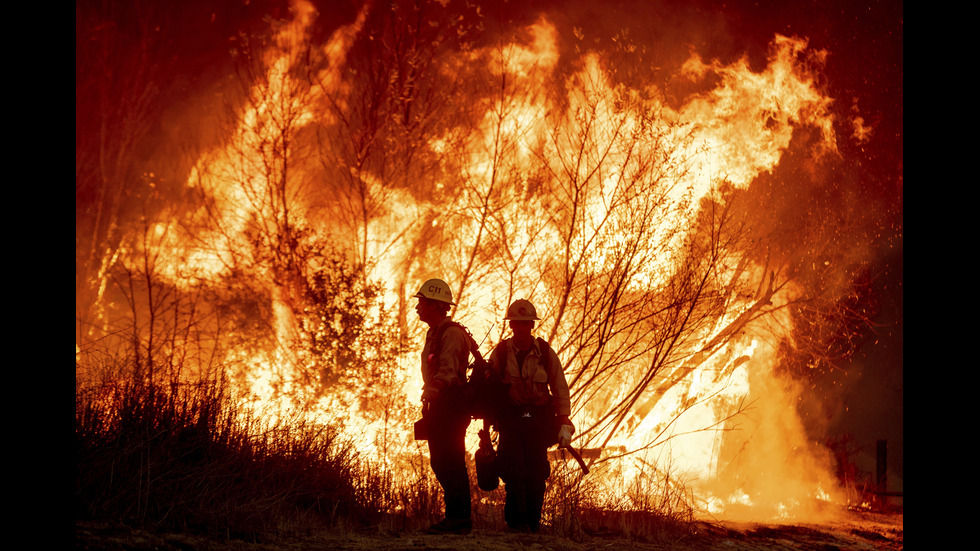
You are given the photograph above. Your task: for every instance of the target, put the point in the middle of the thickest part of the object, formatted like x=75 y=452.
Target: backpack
x=483 y=394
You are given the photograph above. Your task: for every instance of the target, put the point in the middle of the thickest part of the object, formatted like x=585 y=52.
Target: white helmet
x=436 y=289
x=521 y=309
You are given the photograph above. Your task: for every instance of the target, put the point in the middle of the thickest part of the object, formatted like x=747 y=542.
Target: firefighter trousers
x=447 y=456
x=522 y=457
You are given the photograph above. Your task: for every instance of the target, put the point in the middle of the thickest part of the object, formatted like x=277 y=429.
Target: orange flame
x=757 y=463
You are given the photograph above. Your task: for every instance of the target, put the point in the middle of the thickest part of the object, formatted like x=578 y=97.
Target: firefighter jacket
x=537 y=380
x=444 y=363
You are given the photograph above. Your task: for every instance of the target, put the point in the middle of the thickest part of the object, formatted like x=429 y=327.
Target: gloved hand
x=564 y=420
x=565 y=435
x=429 y=395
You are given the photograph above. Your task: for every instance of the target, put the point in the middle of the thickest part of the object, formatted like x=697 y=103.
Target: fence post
x=882 y=470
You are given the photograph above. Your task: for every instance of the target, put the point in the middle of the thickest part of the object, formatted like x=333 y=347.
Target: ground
x=857 y=531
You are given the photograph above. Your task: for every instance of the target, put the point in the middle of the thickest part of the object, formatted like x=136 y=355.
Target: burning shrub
x=346 y=337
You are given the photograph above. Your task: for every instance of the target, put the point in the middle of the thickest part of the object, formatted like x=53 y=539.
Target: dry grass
x=183 y=457
x=186 y=458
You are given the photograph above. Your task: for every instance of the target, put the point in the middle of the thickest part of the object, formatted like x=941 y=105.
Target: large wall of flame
x=862 y=189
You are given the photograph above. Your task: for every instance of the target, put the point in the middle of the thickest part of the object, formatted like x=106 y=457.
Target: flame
x=528 y=137
x=729 y=134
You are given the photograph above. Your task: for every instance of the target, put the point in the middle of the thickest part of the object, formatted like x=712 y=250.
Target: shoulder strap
x=474 y=348
x=545 y=352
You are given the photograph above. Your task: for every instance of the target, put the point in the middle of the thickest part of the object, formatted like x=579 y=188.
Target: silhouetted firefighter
x=534 y=416
x=445 y=412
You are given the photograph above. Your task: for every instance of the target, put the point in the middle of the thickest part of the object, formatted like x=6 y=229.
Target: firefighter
x=536 y=412
x=444 y=362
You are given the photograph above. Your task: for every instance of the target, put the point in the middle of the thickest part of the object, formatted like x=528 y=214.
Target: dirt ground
x=856 y=531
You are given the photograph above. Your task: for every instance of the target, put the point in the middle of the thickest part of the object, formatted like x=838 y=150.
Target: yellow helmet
x=521 y=309
x=436 y=289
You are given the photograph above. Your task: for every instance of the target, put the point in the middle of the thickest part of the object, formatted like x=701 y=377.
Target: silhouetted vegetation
x=193 y=458
x=185 y=457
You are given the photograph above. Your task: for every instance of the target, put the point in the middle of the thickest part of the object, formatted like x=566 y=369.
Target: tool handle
x=578 y=457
